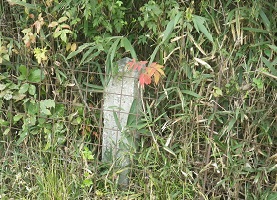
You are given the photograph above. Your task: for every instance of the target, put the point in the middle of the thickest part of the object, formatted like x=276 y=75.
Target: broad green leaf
x=23 y=135
x=45 y=104
x=153 y=55
x=17 y=117
x=45 y=111
x=30 y=121
x=32 y=108
x=62 y=19
x=53 y=24
x=6 y=132
x=2 y=86
x=32 y=89
x=57 y=34
x=36 y=76
x=166 y=35
x=139 y=126
x=48 y=103
x=3 y=122
x=8 y=96
x=18 y=97
x=63 y=36
x=23 y=72
x=23 y=88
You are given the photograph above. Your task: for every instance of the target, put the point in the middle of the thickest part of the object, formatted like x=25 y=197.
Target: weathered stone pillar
x=118 y=142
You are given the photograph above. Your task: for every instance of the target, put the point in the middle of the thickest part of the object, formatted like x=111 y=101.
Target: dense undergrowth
x=208 y=129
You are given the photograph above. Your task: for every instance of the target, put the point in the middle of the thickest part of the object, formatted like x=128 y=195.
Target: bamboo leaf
x=199 y=26
x=117 y=121
x=80 y=49
x=128 y=47
x=170 y=26
x=191 y=93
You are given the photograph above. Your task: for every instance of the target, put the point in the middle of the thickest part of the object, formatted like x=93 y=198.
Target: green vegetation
x=209 y=126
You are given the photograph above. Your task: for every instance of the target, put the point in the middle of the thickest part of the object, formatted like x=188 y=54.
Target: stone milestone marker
x=120 y=93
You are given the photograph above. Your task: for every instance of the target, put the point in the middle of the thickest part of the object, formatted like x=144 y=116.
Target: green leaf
x=23 y=72
x=2 y=86
x=133 y=114
x=128 y=47
x=113 y=49
x=110 y=56
x=32 y=89
x=255 y=30
x=199 y=26
x=273 y=47
x=8 y=96
x=3 y=122
x=270 y=65
x=32 y=108
x=117 y=120
x=170 y=26
x=17 y=117
x=45 y=111
x=36 y=76
x=265 y=19
x=23 y=135
x=63 y=37
x=87 y=183
x=80 y=49
x=191 y=93
x=231 y=124
x=45 y=104
x=27 y=5
x=57 y=34
x=7 y=131
x=169 y=151
x=88 y=52
x=258 y=83
x=62 y=19
x=217 y=92
x=30 y=121
x=23 y=88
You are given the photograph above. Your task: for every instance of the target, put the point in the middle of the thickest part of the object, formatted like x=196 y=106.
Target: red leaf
x=133 y=65
x=144 y=79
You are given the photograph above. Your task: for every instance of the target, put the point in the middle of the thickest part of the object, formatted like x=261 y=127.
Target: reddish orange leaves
x=144 y=79
x=153 y=70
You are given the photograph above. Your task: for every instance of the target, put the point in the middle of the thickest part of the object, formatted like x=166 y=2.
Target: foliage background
x=208 y=129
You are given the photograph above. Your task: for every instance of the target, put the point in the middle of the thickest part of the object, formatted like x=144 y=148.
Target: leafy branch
x=154 y=70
